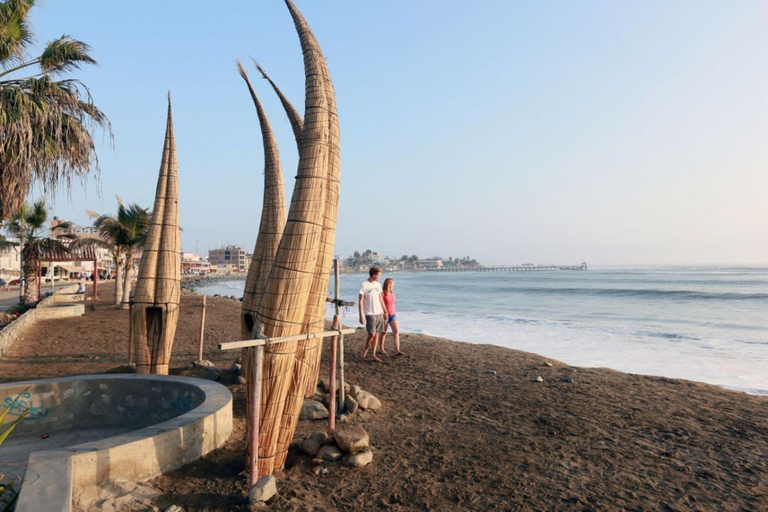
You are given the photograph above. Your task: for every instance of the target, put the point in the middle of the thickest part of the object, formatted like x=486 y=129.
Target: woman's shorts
x=392 y=318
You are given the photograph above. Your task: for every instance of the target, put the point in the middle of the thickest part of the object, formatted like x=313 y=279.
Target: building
x=74 y=229
x=230 y=255
x=10 y=261
x=430 y=263
x=192 y=263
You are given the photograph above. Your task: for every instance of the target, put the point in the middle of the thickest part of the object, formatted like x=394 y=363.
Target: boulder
x=265 y=488
x=354 y=390
x=367 y=401
x=330 y=452
x=351 y=439
x=358 y=460
x=312 y=444
x=350 y=404
x=312 y=410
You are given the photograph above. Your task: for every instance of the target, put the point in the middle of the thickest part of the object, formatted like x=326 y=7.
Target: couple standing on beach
x=377 y=311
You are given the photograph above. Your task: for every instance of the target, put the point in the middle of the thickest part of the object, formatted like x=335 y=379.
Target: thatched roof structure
x=158 y=289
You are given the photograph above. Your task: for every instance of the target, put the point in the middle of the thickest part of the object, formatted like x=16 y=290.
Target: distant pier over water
x=526 y=267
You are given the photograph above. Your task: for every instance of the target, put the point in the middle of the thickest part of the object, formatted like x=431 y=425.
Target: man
x=371 y=306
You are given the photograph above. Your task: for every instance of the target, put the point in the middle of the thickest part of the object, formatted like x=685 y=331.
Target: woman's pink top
x=389 y=302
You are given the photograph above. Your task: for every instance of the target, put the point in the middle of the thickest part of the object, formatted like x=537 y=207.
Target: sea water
x=698 y=323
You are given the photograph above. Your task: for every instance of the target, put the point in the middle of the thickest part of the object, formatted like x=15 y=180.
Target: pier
x=512 y=268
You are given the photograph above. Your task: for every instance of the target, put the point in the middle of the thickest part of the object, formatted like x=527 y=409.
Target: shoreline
x=453 y=414
x=587 y=345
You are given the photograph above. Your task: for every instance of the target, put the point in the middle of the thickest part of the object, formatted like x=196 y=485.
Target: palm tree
x=29 y=225
x=133 y=222
x=45 y=122
x=124 y=234
x=109 y=235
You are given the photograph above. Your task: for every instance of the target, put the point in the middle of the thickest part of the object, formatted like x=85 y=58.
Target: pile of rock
x=354 y=397
x=348 y=445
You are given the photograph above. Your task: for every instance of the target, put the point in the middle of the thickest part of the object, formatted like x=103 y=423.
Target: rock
x=316 y=461
x=350 y=404
x=236 y=367
x=351 y=439
x=264 y=489
x=547 y=363
x=492 y=372
x=312 y=444
x=344 y=418
x=320 y=471
x=204 y=372
x=367 y=401
x=568 y=379
x=323 y=386
x=241 y=379
x=538 y=379
x=354 y=390
x=312 y=410
x=174 y=508
x=126 y=368
x=330 y=452
x=358 y=460
x=346 y=388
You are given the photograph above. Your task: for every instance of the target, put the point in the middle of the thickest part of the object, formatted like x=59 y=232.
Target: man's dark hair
x=374 y=271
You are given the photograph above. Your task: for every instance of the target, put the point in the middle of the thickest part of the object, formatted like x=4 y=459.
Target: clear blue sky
x=511 y=131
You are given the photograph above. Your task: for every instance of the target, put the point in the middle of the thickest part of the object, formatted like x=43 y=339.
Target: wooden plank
x=230 y=345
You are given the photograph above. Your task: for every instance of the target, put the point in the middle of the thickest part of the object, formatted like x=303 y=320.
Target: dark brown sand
x=454 y=435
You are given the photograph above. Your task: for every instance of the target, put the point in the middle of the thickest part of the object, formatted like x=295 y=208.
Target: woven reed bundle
x=308 y=351
x=282 y=308
x=297 y=123
x=273 y=218
x=158 y=288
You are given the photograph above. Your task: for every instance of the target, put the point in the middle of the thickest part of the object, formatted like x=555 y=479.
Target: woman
x=388 y=296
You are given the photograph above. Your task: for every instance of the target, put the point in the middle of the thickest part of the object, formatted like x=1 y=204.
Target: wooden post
x=336 y=324
x=332 y=391
x=253 y=438
x=95 y=297
x=130 y=333
x=39 y=279
x=202 y=333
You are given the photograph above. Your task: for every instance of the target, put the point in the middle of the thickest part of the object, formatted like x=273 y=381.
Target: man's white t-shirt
x=371 y=292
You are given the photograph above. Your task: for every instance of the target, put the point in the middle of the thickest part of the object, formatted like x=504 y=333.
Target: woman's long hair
x=385 y=287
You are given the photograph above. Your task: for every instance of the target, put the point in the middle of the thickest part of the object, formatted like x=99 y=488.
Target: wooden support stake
x=341 y=370
x=332 y=391
x=336 y=325
x=253 y=440
x=202 y=333
x=130 y=333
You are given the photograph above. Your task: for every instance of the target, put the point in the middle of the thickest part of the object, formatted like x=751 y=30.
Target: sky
x=509 y=131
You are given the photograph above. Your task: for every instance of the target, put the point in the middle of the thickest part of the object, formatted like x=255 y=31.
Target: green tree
x=29 y=225
x=46 y=123
x=125 y=233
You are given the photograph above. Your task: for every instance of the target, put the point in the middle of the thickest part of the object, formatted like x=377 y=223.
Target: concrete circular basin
x=95 y=429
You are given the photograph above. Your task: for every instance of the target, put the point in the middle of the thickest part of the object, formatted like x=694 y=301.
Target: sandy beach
x=463 y=427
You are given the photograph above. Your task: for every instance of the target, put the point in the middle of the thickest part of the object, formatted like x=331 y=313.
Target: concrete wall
x=177 y=420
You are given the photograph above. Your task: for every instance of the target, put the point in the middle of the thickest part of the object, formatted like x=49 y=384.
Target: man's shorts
x=374 y=323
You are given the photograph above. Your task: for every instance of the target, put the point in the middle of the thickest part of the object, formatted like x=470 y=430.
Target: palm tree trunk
x=30 y=280
x=118 y=280
x=127 y=281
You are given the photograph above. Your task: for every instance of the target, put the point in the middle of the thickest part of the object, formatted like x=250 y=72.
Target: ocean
x=706 y=324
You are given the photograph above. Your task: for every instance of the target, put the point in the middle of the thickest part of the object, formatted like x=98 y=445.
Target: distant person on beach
x=371 y=307
x=4 y=284
x=390 y=315
x=80 y=287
